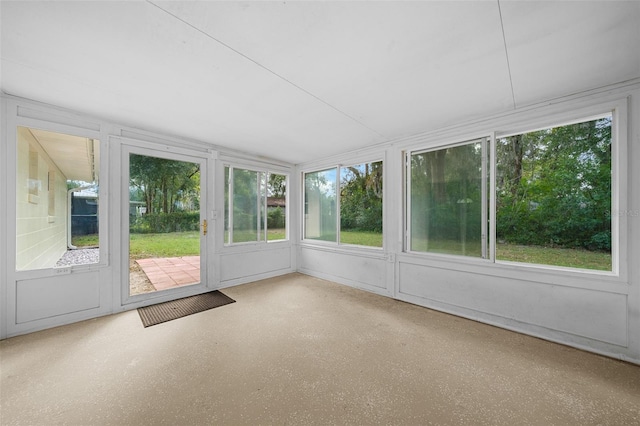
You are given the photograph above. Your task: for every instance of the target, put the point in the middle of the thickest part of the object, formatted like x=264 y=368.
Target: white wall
x=39 y=297
x=595 y=311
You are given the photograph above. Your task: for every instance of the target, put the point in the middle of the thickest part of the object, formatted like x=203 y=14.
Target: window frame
x=484 y=141
x=262 y=196
x=553 y=116
x=338 y=167
x=103 y=190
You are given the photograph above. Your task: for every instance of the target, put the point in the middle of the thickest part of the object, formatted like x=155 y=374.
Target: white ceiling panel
x=299 y=81
x=558 y=48
x=394 y=66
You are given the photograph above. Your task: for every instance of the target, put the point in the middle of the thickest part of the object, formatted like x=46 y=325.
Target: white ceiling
x=299 y=81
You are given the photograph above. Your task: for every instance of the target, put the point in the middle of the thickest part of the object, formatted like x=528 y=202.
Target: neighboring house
x=45 y=161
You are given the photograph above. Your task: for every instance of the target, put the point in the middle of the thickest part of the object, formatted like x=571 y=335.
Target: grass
x=552 y=256
x=244 y=236
x=85 y=240
x=471 y=248
x=573 y=258
x=175 y=244
x=171 y=244
x=361 y=238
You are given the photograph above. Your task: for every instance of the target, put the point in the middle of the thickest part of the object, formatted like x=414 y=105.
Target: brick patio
x=170 y=272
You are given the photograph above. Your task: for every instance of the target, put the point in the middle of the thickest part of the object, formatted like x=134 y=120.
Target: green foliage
x=165 y=186
x=165 y=222
x=558 y=192
x=361 y=198
x=275 y=218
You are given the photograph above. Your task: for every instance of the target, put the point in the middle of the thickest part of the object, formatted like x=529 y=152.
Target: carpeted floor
x=298 y=350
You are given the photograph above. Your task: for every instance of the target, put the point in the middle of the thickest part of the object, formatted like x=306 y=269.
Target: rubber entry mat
x=167 y=311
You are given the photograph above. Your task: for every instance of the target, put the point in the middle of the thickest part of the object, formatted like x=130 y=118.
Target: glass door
x=165 y=223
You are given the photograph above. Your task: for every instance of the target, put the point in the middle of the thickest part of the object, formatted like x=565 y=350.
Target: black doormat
x=167 y=311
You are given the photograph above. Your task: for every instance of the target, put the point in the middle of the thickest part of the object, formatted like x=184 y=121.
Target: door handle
x=204 y=227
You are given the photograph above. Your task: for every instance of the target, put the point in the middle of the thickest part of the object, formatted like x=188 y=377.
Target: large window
x=320 y=205
x=552 y=199
x=255 y=206
x=351 y=216
x=57 y=199
x=446 y=198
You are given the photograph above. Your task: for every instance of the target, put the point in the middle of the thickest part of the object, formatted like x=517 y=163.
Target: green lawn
x=554 y=256
x=243 y=236
x=176 y=244
x=362 y=238
x=85 y=240
x=171 y=244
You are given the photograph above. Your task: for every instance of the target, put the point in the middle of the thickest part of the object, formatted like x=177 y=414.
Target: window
x=446 y=198
x=361 y=204
x=553 y=197
x=50 y=229
x=320 y=203
x=359 y=221
x=255 y=206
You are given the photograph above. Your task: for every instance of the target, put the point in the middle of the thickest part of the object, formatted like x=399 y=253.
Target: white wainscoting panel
x=587 y=313
x=359 y=269
x=47 y=297
x=246 y=264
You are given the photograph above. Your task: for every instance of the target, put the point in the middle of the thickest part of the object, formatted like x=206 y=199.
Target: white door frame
x=205 y=159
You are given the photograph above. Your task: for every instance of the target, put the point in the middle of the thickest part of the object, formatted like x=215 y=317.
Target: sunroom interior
x=278 y=107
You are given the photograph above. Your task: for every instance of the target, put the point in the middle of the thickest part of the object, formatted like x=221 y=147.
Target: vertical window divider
x=230 y=224
x=338 y=197
x=407 y=192
x=258 y=187
x=484 y=200
x=492 y=197
x=264 y=184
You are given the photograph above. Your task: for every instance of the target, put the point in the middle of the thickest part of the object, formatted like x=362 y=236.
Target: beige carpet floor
x=297 y=350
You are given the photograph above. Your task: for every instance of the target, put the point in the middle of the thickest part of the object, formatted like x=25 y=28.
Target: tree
x=361 y=197
x=165 y=185
x=563 y=192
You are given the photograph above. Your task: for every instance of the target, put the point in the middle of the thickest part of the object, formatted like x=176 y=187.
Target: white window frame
x=555 y=117
x=261 y=201
x=338 y=167
x=484 y=140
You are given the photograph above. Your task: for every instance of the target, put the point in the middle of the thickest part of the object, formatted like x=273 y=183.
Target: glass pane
x=361 y=204
x=446 y=201
x=320 y=205
x=245 y=206
x=227 y=234
x=276 y=207
x=554 y=196
x=164 y=223
x=56 y=171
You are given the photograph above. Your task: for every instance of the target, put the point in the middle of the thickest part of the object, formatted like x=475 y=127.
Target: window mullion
x=492 y=197
x=338 y=197
x=230 y=224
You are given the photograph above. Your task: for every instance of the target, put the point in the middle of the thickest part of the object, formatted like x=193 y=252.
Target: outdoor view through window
x=554 y=196
x=56 y=199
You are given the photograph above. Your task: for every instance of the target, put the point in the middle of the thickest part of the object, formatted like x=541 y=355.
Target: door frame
x=205 y=159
